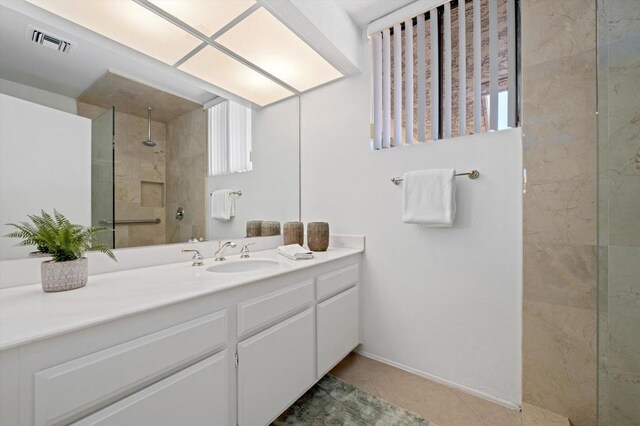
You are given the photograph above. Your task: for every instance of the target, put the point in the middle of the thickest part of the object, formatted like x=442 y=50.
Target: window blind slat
x=210 y=131
x=477 y=68
x=462 y=70
x=239 y=135
x=377 y=89
x=231 y=138
x=447 y=71
x=435 y=72
x=408 y=81
x=248 y=148
x=218 y=139
x=493 y=64
x=386 y=89
x=397 y=85
x=511 y=60
x=221 y=143
x=422 y=79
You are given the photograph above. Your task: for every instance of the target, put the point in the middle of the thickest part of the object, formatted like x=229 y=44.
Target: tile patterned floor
x=443 y=405
x=535 y=416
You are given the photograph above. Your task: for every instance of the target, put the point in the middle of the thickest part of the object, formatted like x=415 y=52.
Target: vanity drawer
x=77 y=385
x=194 y=396
x=337 y=281
x=261 y=311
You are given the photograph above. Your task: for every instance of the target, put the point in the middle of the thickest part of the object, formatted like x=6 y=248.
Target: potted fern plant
x=66 y=243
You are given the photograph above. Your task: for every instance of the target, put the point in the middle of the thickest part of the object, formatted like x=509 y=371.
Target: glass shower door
x=102 y=175
x=618 y=212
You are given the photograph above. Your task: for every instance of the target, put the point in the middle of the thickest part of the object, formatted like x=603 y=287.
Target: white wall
x=270 y=190
x=38 y=96
x=45 y=163
x=445 y=303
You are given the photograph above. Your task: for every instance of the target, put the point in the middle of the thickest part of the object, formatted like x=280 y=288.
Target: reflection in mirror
x=270 y=189
x=75 y=131
x=157 y=154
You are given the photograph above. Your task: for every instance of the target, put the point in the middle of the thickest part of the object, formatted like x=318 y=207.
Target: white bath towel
x=295 y=252
x=429 y=197
x=222 y=205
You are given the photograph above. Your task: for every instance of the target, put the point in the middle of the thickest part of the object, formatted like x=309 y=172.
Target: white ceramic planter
x=63 y=276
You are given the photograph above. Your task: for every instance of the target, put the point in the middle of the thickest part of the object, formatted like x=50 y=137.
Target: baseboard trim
x=440 y=380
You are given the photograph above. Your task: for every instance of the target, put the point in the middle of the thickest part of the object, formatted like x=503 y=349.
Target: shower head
x=149 y=142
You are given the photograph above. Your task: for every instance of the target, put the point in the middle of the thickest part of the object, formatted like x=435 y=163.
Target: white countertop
x=28 y=314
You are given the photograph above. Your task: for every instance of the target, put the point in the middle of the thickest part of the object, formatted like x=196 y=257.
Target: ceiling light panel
x=221 y=70
x=128 y=23
x=264 y=41
x=206 y=16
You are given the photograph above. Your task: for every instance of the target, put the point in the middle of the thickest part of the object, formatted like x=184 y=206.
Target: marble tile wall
x=558 y=42
x=186 y=173
x=619 y=211
x=136 y=163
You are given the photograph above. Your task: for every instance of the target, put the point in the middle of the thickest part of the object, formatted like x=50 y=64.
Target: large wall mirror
x=114 y=139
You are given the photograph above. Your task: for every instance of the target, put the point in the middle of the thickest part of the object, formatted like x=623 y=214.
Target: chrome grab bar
x=130 y=222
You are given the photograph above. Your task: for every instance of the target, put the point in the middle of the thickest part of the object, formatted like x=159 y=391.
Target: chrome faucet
x=197 y=258
x=244 y=253
x=219 y=255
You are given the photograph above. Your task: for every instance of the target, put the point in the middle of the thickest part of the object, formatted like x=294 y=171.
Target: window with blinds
x=229 y=133
x=450 y=71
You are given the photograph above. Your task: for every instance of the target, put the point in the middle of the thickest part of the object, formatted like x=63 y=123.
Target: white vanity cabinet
x=276 y=365
x=274 y=368
x=238 y=356
x=338 y=325
x=338 y=329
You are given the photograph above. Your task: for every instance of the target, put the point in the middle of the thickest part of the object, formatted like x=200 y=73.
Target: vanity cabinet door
x=274 y=368
x=338 y=328
x=195 y=396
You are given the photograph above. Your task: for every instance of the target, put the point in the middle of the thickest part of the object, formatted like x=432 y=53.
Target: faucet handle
x=198 y=259
x=245 y=250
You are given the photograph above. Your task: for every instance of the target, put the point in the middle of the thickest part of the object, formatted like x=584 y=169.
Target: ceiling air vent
x=49 y=40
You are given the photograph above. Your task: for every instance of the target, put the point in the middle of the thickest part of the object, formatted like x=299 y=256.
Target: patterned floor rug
x=334 y=402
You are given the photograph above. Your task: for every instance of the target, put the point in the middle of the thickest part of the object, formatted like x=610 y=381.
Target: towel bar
x=473 y=174
x=238 y=193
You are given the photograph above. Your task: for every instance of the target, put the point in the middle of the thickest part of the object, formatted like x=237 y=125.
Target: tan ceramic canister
x=254 y=228
x=270 y=227
x=293 y=233
x=318 y=236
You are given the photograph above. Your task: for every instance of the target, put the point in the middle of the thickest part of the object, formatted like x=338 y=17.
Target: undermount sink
x=248 y=265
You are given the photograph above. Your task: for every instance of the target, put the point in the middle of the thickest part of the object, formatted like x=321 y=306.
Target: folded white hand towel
x=295 y=252
x=222 y=205
x=429 y=197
